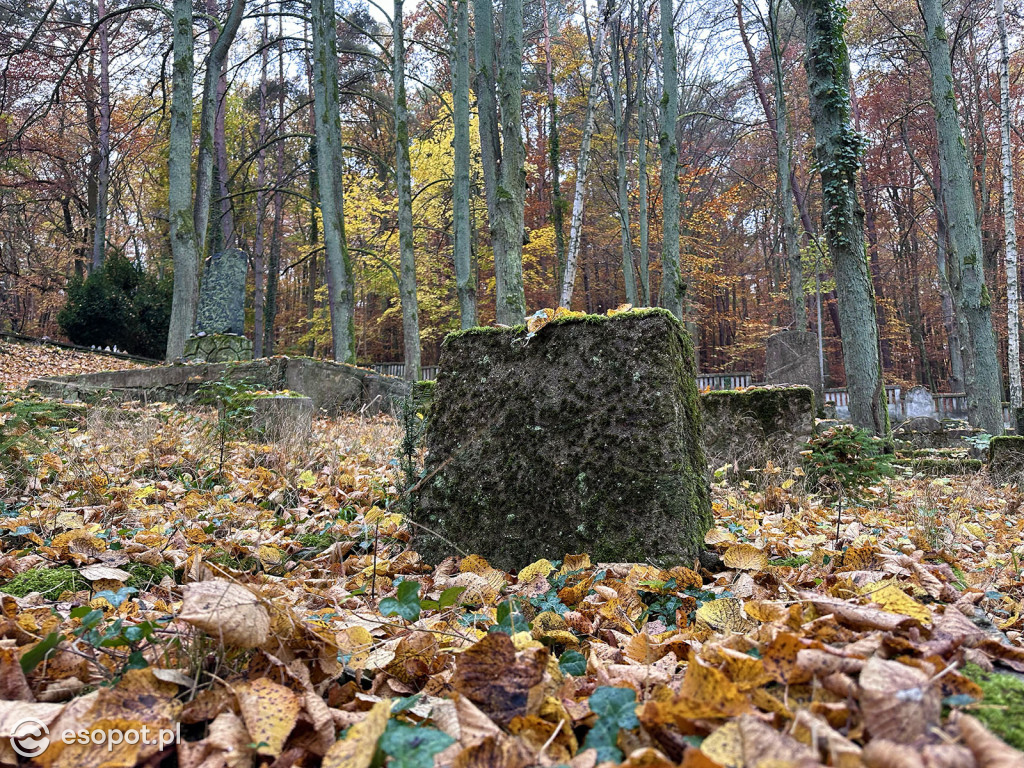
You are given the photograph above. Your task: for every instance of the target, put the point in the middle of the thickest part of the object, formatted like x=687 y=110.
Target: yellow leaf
x=270 y=712
x=533 y=570
x=894 y=600
x=724 y=615
x=359 y=746
x=745 y=557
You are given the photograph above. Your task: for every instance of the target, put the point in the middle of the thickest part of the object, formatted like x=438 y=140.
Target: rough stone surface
x=918 y=403
x=218 y=348
x=1006 y=459
x=333 y=387
x=791 y=357
x=222 y=294
x=584 y=438
x=752 y=427
x=282 y=417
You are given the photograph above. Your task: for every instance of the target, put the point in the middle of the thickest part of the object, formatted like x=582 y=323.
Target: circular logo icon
x=30 y=737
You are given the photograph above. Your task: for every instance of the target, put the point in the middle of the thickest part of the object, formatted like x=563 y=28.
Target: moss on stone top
x=571 y=319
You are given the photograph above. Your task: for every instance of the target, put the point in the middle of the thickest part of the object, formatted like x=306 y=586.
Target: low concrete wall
x=333 y=387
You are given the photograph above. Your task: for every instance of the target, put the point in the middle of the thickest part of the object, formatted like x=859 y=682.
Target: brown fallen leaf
x=989 y=750
x=898 y=702
x=496 y=679
x=270 y=712
x=226 y=611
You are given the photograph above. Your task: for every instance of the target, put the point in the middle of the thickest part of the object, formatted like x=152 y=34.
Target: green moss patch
x=50 y=582
x=1002 y=708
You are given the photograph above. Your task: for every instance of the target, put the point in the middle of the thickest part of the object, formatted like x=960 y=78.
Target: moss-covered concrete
x=1006 y=459
x=752 y=427
x=583 y=438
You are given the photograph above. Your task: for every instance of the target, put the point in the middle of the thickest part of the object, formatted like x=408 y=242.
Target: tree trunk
x=1009 y=218
x=259 y=248
x=208 y=120
x=403 y=179
x=464 y=284
x=641 y=161
x=179 y=184
x=274 y=263
x=554 y=155
x=838 y=147
x=511 y=192
x=99 y=233
x=982 y=379
x=672 y=287
x=579 y=198
x=340 y=285
x=620 y=121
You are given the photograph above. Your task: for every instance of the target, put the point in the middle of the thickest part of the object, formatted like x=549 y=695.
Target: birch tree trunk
x=1009 y=217
x=837 y=147
x=208 y=119
x=99 y=243
x=179 y=184
x=511 y=192
x=579 y=198
x=982 y=380
x=620 y=121
x=672 y=288
x=340 y=285
x=403 y=179
x=460 y=203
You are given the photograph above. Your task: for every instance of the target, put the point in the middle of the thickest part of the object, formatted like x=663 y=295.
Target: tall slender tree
x=184 y=249
x=620 y=120
x=403 y=180
x=99 y=243
x=464 y=285
x=966 y=264
x=672 y=287
x=838 y=151
x=330 y=163
x=1009 y=217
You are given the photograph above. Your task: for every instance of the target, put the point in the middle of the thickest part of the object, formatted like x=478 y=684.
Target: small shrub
x=120 y=304
x=844 y=460
x=25 y=425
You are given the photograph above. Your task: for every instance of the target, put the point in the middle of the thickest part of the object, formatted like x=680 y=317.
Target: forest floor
x=21 y=362
x=262 y=602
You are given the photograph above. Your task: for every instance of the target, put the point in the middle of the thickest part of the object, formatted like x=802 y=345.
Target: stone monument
x=791 y=357
x=918 y=403
x=583 y=437
x=220 y=318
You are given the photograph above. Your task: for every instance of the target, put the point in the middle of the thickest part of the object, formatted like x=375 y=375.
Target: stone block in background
x=1006 y=459
x=918 y=403
x=222 y=294
x=791 y=357
x=585 y=437
x=280 y=417
x=752 y=427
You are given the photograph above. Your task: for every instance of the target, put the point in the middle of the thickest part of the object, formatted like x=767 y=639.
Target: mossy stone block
x=584 y=437
x=752 y=427
x=1006 y=459
x=218 y=348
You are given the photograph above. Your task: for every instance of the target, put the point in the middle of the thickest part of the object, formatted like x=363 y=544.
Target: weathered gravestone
x=918 y=403
x=220 y=318
x=585 y=437
x=791 y=357
x=1006 y=459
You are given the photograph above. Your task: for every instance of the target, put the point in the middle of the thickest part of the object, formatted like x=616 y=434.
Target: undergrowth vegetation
x=266 y=597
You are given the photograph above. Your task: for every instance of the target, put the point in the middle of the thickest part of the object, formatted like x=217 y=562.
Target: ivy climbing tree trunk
x=403 y=180
x=838 y=148
x=671 y=294
x=460 y=194
x=179 y=184
x=330 y=163
x=1009 y=217
x=982 y=379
